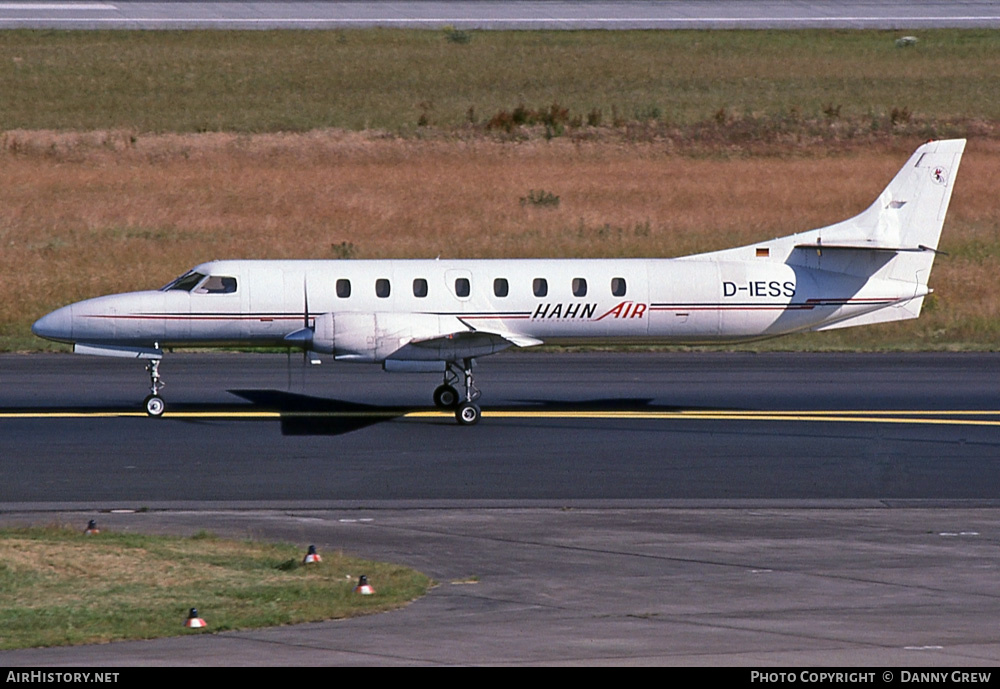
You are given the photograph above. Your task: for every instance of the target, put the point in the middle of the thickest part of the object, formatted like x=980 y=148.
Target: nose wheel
x=154 y=404
x=468 y=413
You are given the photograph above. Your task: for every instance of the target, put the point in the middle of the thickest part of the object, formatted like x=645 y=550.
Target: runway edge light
x=312 y=557
x=363 y=587
x=193 y=621
x=91 y=528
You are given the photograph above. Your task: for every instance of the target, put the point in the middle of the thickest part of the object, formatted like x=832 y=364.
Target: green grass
x=59 y=587
x=296 y=81
x=709 y=94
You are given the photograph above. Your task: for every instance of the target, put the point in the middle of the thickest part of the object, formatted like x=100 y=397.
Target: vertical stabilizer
x=909 y=214
x=891 y=244
x=903 y=225
x=894 y=238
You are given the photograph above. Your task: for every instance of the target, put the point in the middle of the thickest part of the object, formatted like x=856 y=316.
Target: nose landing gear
x=154 y=404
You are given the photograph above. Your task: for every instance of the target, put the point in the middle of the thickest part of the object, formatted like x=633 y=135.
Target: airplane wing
x=514 y=338
x=461 y=344
x=123 y=352
x=391 y=336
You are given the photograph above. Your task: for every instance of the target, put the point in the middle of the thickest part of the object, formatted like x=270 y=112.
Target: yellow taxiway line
x=956 y=417
x=849 y=417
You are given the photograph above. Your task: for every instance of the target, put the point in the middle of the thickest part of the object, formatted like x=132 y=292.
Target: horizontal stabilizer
x=819 y=246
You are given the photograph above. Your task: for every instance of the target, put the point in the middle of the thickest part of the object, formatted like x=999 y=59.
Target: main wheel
x=155 y=405
x=468 y=413
x=445 y=397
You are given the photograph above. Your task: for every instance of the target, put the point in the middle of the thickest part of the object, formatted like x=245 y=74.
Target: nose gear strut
x=468 y=411
x=154 y=404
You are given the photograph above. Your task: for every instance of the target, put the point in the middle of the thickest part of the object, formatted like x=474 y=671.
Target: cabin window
x=540 y=287
x=618 y=287
x=185 y=283
x=217 y=284
x=343 y=288
x=500 y=287
x=419 y=287
x=462 y=287
x=579 y=287
x=381 y=288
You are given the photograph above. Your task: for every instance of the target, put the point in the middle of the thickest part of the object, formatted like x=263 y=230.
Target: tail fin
x=896 y=238
x=909 y=214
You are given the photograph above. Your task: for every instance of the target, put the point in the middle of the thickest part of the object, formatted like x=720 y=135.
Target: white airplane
x=440 y=315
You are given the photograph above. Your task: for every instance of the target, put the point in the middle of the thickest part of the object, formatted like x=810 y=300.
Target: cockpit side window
x=217 y=284
x=184 y=283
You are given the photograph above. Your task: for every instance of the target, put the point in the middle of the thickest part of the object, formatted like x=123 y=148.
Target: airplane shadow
x=307 y=415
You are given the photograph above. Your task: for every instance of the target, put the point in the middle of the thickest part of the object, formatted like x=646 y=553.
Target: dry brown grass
x=93 y=213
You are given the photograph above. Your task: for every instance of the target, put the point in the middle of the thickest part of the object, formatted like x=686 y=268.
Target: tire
x=446 y=397
x=155 y=406
x=468 y=414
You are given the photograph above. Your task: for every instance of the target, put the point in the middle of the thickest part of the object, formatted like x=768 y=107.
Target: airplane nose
x=57 y=325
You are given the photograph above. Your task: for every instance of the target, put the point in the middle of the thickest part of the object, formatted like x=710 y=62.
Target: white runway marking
x=485 y=15
x=63 y=6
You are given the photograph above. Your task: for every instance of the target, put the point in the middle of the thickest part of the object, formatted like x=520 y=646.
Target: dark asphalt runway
x=717 y=523
x=559 y=427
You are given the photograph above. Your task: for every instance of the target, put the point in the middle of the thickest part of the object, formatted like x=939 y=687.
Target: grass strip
x=399 y=80
x=59 y=587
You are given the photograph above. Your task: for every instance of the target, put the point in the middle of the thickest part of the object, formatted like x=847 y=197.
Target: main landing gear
x=446 y=396
x=155 y=406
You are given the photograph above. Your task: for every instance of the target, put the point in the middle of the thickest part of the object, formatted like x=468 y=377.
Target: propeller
x=302 y=337
x=305 y=302
x=309 y=353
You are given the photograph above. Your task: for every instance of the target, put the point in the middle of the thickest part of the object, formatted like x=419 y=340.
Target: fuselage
x=682 y=301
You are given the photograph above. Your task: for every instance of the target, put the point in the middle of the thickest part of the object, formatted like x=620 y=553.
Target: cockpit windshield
x=185 y=282
x=199 y=283
x=217 y=284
